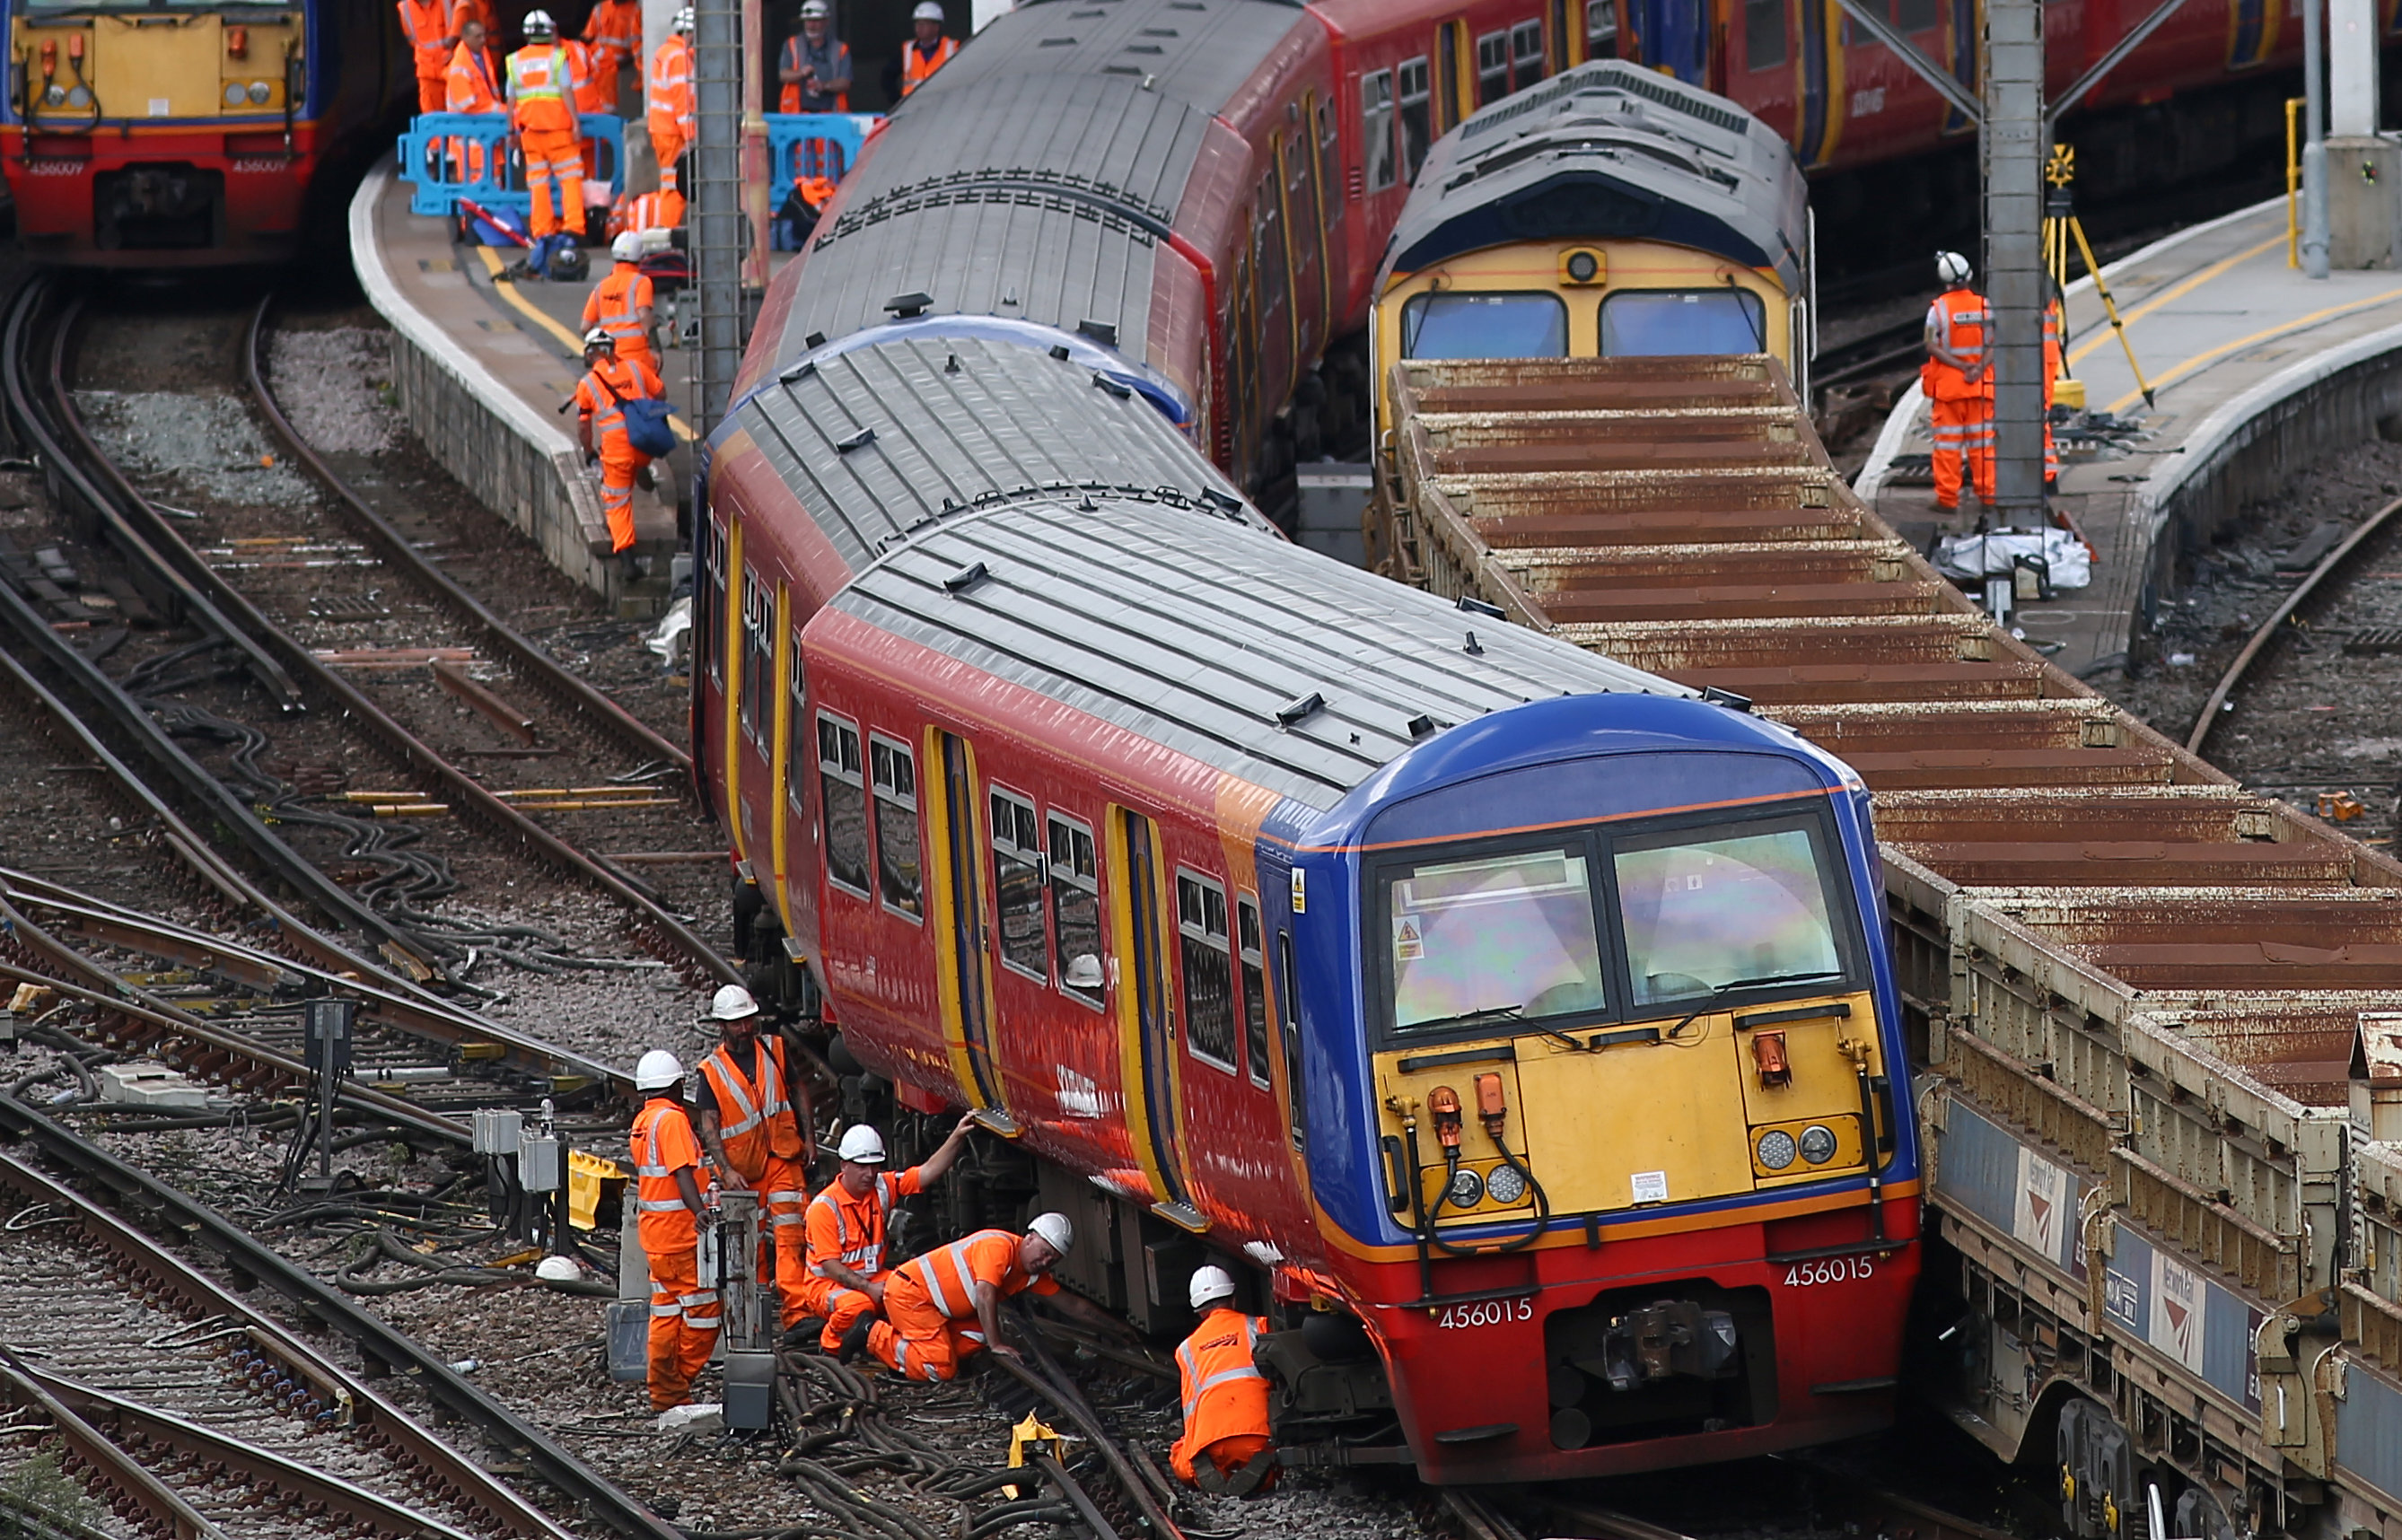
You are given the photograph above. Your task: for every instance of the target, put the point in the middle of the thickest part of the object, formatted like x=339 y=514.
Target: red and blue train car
x=193 y=132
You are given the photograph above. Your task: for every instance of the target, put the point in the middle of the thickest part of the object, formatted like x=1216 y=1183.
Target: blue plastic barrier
x=811 y=144
x=447 y=155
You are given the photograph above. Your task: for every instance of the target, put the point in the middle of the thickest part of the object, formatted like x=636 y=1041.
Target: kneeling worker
x=1226 y=1447
x=846 y=1222
x=668 y=1197
x=944 y=1307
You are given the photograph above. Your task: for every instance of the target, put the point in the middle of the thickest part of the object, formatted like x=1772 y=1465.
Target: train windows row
x=1398 y=124
x=1633 y=323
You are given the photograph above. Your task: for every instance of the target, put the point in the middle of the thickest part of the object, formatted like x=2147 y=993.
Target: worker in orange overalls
x=615 y=32
x=815 y=68
x=847 y=1221
x=431 y=38
x=1226 y=1447
x=928 y=50
x=667 y=99
x=944 y=1307
x=1958 y=384
x=747 y=1119
x=2054 y=328
x=669 y=1202
x=470 y=84
x=623 y=305
x=652 y=211
x=601 y=428
x=542 y=104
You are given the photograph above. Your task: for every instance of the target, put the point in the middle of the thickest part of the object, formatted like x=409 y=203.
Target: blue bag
x=646 y=423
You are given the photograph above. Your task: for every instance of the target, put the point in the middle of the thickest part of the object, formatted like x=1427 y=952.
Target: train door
x=1451 y=73
x=1147 y=1015
x=1272 y=275
x=1311 y=299
x=959 y=912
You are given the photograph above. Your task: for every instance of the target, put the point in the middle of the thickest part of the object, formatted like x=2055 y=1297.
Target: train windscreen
x=1668 y=322
x=1710 y=910
x=1484 y=325
x=1501 y=935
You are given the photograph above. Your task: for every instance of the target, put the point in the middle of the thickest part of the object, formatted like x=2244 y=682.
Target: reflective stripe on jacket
x=1956 y=323
x=542 y=79
x=1222 y=1391
x=668 y=92
x=765 y=1124
x=427 y=25
x=916 y=66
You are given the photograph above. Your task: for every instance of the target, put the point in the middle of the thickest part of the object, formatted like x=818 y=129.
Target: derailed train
x=1520 y=1027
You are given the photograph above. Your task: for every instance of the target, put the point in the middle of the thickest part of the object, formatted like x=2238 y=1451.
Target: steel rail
x=1046 y=1378
x=351 y=1402
x=570 y=689
x=132 y=1488
x=2330 y=563
x=382 y=1345
x=463 y=791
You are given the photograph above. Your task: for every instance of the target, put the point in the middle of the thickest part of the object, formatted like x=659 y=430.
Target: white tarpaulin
x=1973 y=559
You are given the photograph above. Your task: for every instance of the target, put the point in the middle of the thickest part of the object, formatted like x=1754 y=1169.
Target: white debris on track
x=204 y=445
x=332 y=385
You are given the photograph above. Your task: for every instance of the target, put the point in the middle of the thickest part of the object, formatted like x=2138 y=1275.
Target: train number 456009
x=1487 y=1313
x=1829 y=1269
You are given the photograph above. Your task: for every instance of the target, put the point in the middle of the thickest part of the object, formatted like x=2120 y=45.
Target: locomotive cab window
x=1017 y=885
x=899 y=871
x=842 y=805
x=1075 y=910
x=1484 y=325
x=1208 y=978
x=1712 y=910
x=1376 y=129
x=1505 y=936
x=1661 y=323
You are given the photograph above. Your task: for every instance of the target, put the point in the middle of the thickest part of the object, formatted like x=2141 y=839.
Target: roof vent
x=1101 y=332
x=1727 y=699
x=907 y=305
x=1059 y=351
x=1106 y=383
x=799 y=371
x=815 y=339
x=1301 y=709
x=1478 y=607
x=1422 y=726
x=859 y=440
x=966 y=577
x=1226 y=501
x=1086 y=505
x=1472 y=647
x=951 y=365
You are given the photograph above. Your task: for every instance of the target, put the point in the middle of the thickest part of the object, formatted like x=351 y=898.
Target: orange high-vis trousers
x=839 y=1303
x=432 y=93
x=684 y=1324
x=554 y=173
x=1229 y=1454
x=619 y=464
x=667 y=145
x=1964 y=429
x=781 y=1188
x=917 y=1339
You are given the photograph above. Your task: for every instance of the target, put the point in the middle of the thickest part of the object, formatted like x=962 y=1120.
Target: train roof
x=953 y=420
x=1608 y=150
x=1284 y=668
x=1095 y=111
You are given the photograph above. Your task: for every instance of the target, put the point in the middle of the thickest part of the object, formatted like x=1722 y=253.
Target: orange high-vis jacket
x=651 y=211
x=1223 y=1392
x=470 y=85
x=764 y=1125
x=669 y=92
x=850 y=1231
x=427 y=22
x=615 y=27
x=662 y=1144
x=948 y=1273
x=600 y=396
x=542 y=89
x=916 y=66
x=1955 y=344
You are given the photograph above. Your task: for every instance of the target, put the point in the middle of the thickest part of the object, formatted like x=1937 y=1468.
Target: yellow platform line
x=549 y=323
x=2298 y=324
x=2173 y=293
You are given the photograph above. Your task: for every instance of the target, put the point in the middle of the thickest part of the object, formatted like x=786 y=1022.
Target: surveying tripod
x=2060 y=225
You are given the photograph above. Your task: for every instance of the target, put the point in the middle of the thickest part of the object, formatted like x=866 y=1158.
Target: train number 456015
x=1487 y=1313
x=1829 y=1269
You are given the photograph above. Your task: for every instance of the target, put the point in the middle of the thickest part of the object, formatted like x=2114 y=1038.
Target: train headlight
x=234 y=93
x=1776 y=1149
x=1505 y=1186
x=1817 y=1144
x=78 y=96
x=259 y=91
x=55 y=95
x=1467 y=1188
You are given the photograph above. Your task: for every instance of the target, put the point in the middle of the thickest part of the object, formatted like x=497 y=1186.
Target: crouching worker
x=944 y=1307
x=1226 y=1447
x=847 y=1223
x=604 y=426
x=669 y=1200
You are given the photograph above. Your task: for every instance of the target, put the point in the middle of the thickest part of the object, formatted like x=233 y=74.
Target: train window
x=1661 y=323
x=709 y=625
x=1255 y=991
x=1484 y=325
x=1560 y=34
x=1707 y=911
x=1075 y=910
x=1017 y=885
x=1417 y=116
x=1271 y=266
x=842 y=805
x=1376 y=129
x=1917 y=15
x=1526 y=54
x=1492 y=68
x=1297 y=1102
x=1508 y=934
x=1208 y=977
x=758 y=683
x=900 y=871
x=1601 y=27
x=797 y=734
x=1447 y=40
x=1328 y=156
x=1763 y=34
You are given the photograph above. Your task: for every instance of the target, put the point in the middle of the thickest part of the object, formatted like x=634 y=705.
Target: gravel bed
x=335 y=386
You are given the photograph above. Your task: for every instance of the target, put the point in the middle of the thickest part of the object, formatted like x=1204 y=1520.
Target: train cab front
x=1634 y=1185
x=163 y=134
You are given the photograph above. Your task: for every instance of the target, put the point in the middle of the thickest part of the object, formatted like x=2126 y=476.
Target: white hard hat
x=1951 y=268
x=600 y=336
x=733 y=1002
x=683 y=22
x=1210 y=1283
x=628 y=247
x=862 y=1145
x=816 y=10
x=657 y=1070
x=928 y=10
x=1056 y=1232
x=539 y=24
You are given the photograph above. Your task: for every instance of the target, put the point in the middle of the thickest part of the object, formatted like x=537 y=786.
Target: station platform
x=485 y=365
x=2252 y=368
